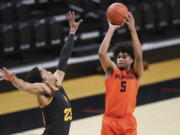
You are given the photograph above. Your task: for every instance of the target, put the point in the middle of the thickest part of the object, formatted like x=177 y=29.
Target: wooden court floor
x=159 y=118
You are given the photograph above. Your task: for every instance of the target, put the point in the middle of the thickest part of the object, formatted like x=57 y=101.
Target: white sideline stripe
x=53 y=63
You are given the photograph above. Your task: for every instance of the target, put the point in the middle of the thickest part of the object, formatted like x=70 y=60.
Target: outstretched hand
x=5 y=74
x=72 y=23
x=130 y=22
x=114 y=27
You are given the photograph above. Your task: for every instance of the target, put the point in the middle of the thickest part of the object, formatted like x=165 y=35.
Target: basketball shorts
x=121 y=125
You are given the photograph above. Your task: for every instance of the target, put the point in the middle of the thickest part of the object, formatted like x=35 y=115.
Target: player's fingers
x=1 y=70
x=126 y=21
x=1 y=78
x=128 y=18
x=73 y=16
x=5 y=70
x=122 y=24
x=130 y=14
x=80 y=21
x=68 y=17
x=70 y=14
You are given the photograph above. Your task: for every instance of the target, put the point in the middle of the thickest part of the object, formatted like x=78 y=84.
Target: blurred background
x=32 y=33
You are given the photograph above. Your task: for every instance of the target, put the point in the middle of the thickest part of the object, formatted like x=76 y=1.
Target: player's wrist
x=111 y=29
x=132 y=29
x=11 y=77
x=72 y=31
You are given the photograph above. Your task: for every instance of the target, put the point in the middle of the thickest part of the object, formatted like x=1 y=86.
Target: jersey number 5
x=123 y=86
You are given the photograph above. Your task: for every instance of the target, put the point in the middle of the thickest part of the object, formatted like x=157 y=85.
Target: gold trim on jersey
x=49 y=101
x=43 y=117
x=66 y=99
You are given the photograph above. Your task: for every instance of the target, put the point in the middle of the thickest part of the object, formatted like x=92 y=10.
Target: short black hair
x=34 y=75
x=123 y=47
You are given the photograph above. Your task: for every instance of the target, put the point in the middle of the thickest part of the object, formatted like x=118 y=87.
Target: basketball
x=117 y=13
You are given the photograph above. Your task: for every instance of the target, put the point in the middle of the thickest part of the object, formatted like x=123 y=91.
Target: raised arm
x=137 y=49
x=32 y=88
x=67 y=48
x=106 y=62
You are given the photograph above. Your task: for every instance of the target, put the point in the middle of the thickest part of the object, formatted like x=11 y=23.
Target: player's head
x=123 y=54
x=34 y=76
x=48 y=77
x=40 y=75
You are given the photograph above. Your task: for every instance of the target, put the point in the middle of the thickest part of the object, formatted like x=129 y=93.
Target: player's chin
x=121 y=67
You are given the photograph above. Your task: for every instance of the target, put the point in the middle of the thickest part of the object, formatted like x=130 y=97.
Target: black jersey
x=57 y=115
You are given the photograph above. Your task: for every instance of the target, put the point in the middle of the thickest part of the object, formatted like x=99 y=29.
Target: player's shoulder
x=116 y=69
x=134 y=75
x=131 y=72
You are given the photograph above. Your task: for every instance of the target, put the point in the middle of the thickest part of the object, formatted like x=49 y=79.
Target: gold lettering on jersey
x=124 y=76
x=67 y=114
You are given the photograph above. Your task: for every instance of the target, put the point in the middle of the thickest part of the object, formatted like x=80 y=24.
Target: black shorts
x=63 y=129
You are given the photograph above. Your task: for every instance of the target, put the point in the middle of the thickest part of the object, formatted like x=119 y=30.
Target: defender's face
x=124 y=60
x=47 y=75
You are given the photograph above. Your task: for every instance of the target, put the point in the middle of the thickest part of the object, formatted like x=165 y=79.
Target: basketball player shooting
x=122 y=81
x=47 y=87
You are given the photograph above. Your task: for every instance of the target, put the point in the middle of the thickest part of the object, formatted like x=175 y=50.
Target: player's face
x=47 y=75
x=124 y=60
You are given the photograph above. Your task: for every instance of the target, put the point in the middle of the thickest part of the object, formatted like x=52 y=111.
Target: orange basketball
x=117 y=13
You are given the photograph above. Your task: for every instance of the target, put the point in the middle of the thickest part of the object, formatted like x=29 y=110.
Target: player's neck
x=125 y=69
x=52 y=86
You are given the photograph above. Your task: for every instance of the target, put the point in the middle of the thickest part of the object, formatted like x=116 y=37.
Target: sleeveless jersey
x=121 y=92
x=57 y=114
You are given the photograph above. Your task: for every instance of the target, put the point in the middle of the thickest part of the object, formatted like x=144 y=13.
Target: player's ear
x=44 y=78
x=131 y=60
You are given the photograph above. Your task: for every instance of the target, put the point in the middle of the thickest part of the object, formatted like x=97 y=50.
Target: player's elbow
x=139 y=57
x=33 y=88
x=101 y=54
x=25 y=87
x=35 y=91
x=28 y=89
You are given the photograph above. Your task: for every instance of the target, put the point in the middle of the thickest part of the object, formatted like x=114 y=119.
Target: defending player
x=51 y=97
x=122 y=81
